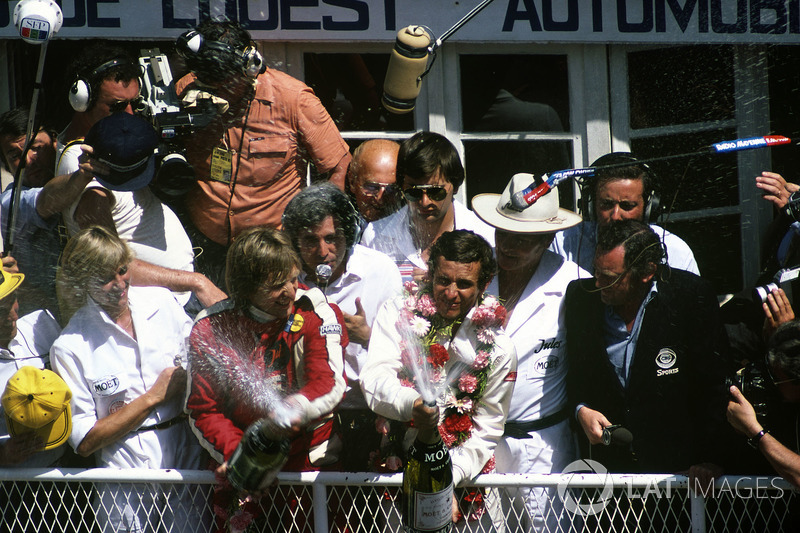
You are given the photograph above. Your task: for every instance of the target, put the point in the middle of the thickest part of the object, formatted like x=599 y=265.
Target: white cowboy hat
x=544 y=216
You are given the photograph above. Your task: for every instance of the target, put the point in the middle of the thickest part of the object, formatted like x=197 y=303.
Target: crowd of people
x=331 y=310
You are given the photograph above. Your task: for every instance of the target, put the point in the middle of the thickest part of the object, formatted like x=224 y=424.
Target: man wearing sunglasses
x=105 y=80
x=619 y=193
x=429 y=172
x=372 y=179
x=783 y=363
x=645 y=348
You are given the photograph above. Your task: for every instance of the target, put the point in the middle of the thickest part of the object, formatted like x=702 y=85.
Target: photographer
x=783 y=360
x=253 y=157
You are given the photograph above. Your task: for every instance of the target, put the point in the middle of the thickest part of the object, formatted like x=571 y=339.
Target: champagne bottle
x=258 y=458
x=427 y=503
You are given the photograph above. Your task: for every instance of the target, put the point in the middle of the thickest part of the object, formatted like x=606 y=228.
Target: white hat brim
x=486 y=207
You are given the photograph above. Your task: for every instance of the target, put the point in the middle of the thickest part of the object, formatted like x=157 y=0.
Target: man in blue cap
x=125 y=145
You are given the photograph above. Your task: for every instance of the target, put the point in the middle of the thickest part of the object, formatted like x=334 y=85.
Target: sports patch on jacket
x=665 y=360
x=330 y=329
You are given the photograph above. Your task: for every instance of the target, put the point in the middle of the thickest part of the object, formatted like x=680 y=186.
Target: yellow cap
x=38 y=400
x=9 y=282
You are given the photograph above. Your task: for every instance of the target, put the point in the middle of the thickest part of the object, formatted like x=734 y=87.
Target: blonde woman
x=120 y=354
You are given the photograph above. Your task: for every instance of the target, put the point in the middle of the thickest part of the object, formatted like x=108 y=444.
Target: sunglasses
x=437 y=193
x=121 y=105
x=372 y=188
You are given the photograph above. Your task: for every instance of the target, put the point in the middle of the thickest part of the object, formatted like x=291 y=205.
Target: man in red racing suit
x=238 y=355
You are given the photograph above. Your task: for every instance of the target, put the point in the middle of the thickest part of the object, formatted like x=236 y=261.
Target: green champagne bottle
x=427 y=502
x=258 y=458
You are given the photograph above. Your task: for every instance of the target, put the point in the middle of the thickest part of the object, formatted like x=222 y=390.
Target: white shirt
x=373 y=277
x=386 y=395
x=106 y=368
x=29 y=347
x=577 y=244
x=151 y=228
x=536 y=327
x=392 y=236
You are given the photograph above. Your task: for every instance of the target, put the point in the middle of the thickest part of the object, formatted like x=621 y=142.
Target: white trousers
x=547 y=451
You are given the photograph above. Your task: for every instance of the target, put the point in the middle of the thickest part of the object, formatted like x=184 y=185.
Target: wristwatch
x=755 y=439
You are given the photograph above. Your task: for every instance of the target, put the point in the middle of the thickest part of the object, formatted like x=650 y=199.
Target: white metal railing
x=42 y=500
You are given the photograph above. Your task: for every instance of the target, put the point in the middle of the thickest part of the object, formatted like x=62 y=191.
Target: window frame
x=599 y=113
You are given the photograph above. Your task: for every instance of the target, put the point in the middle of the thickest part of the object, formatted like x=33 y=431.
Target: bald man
x=371 y=178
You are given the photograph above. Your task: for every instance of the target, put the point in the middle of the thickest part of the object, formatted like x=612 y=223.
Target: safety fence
x=169 y=501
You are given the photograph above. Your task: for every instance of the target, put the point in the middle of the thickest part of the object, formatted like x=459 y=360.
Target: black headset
x=201 y=54
x=81 y=97
x=652 y=199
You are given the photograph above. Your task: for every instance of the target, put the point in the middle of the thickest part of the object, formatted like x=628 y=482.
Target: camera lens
x=760 y=293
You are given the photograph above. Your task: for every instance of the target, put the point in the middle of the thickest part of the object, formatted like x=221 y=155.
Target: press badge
x=221 y=165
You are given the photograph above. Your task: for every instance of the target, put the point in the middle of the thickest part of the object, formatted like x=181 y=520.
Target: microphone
x=323 y=272
x=616 y=435
x=525 y=198
x=37 y=20
x=407 y=64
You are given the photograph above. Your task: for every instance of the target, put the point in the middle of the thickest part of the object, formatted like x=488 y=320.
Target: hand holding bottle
x=426 y=418
x=286 y=419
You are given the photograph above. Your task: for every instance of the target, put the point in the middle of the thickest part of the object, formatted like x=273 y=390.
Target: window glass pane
x=680 y=86
x=514 y=93
x=491 y=164
x=719 y=258
x=350 y=87
x=690 y=183
x=784 y=81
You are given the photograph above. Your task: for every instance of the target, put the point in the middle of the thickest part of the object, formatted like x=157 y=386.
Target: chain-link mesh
x=100 y=500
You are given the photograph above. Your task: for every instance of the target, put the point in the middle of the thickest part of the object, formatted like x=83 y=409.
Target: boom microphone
x=409 y=61
x=407 y=64
x=525 y=198
x=36 y=21
x=616 y=435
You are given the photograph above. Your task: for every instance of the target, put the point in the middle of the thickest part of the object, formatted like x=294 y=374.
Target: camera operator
x=106 y=82
x=253 y=157
x=783 y=360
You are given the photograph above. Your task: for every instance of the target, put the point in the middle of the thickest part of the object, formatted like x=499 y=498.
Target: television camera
x=172 y=120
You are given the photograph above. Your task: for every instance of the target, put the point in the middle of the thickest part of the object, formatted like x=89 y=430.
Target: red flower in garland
x=500 y=315
x=438 y=355
x=457 y=423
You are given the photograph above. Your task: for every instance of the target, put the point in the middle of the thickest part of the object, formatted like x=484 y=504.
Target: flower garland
x=425 y=350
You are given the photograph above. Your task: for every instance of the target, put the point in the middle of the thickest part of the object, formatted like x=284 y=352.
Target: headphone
x=652 y=200
x=199 y=53
x=80 y=94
